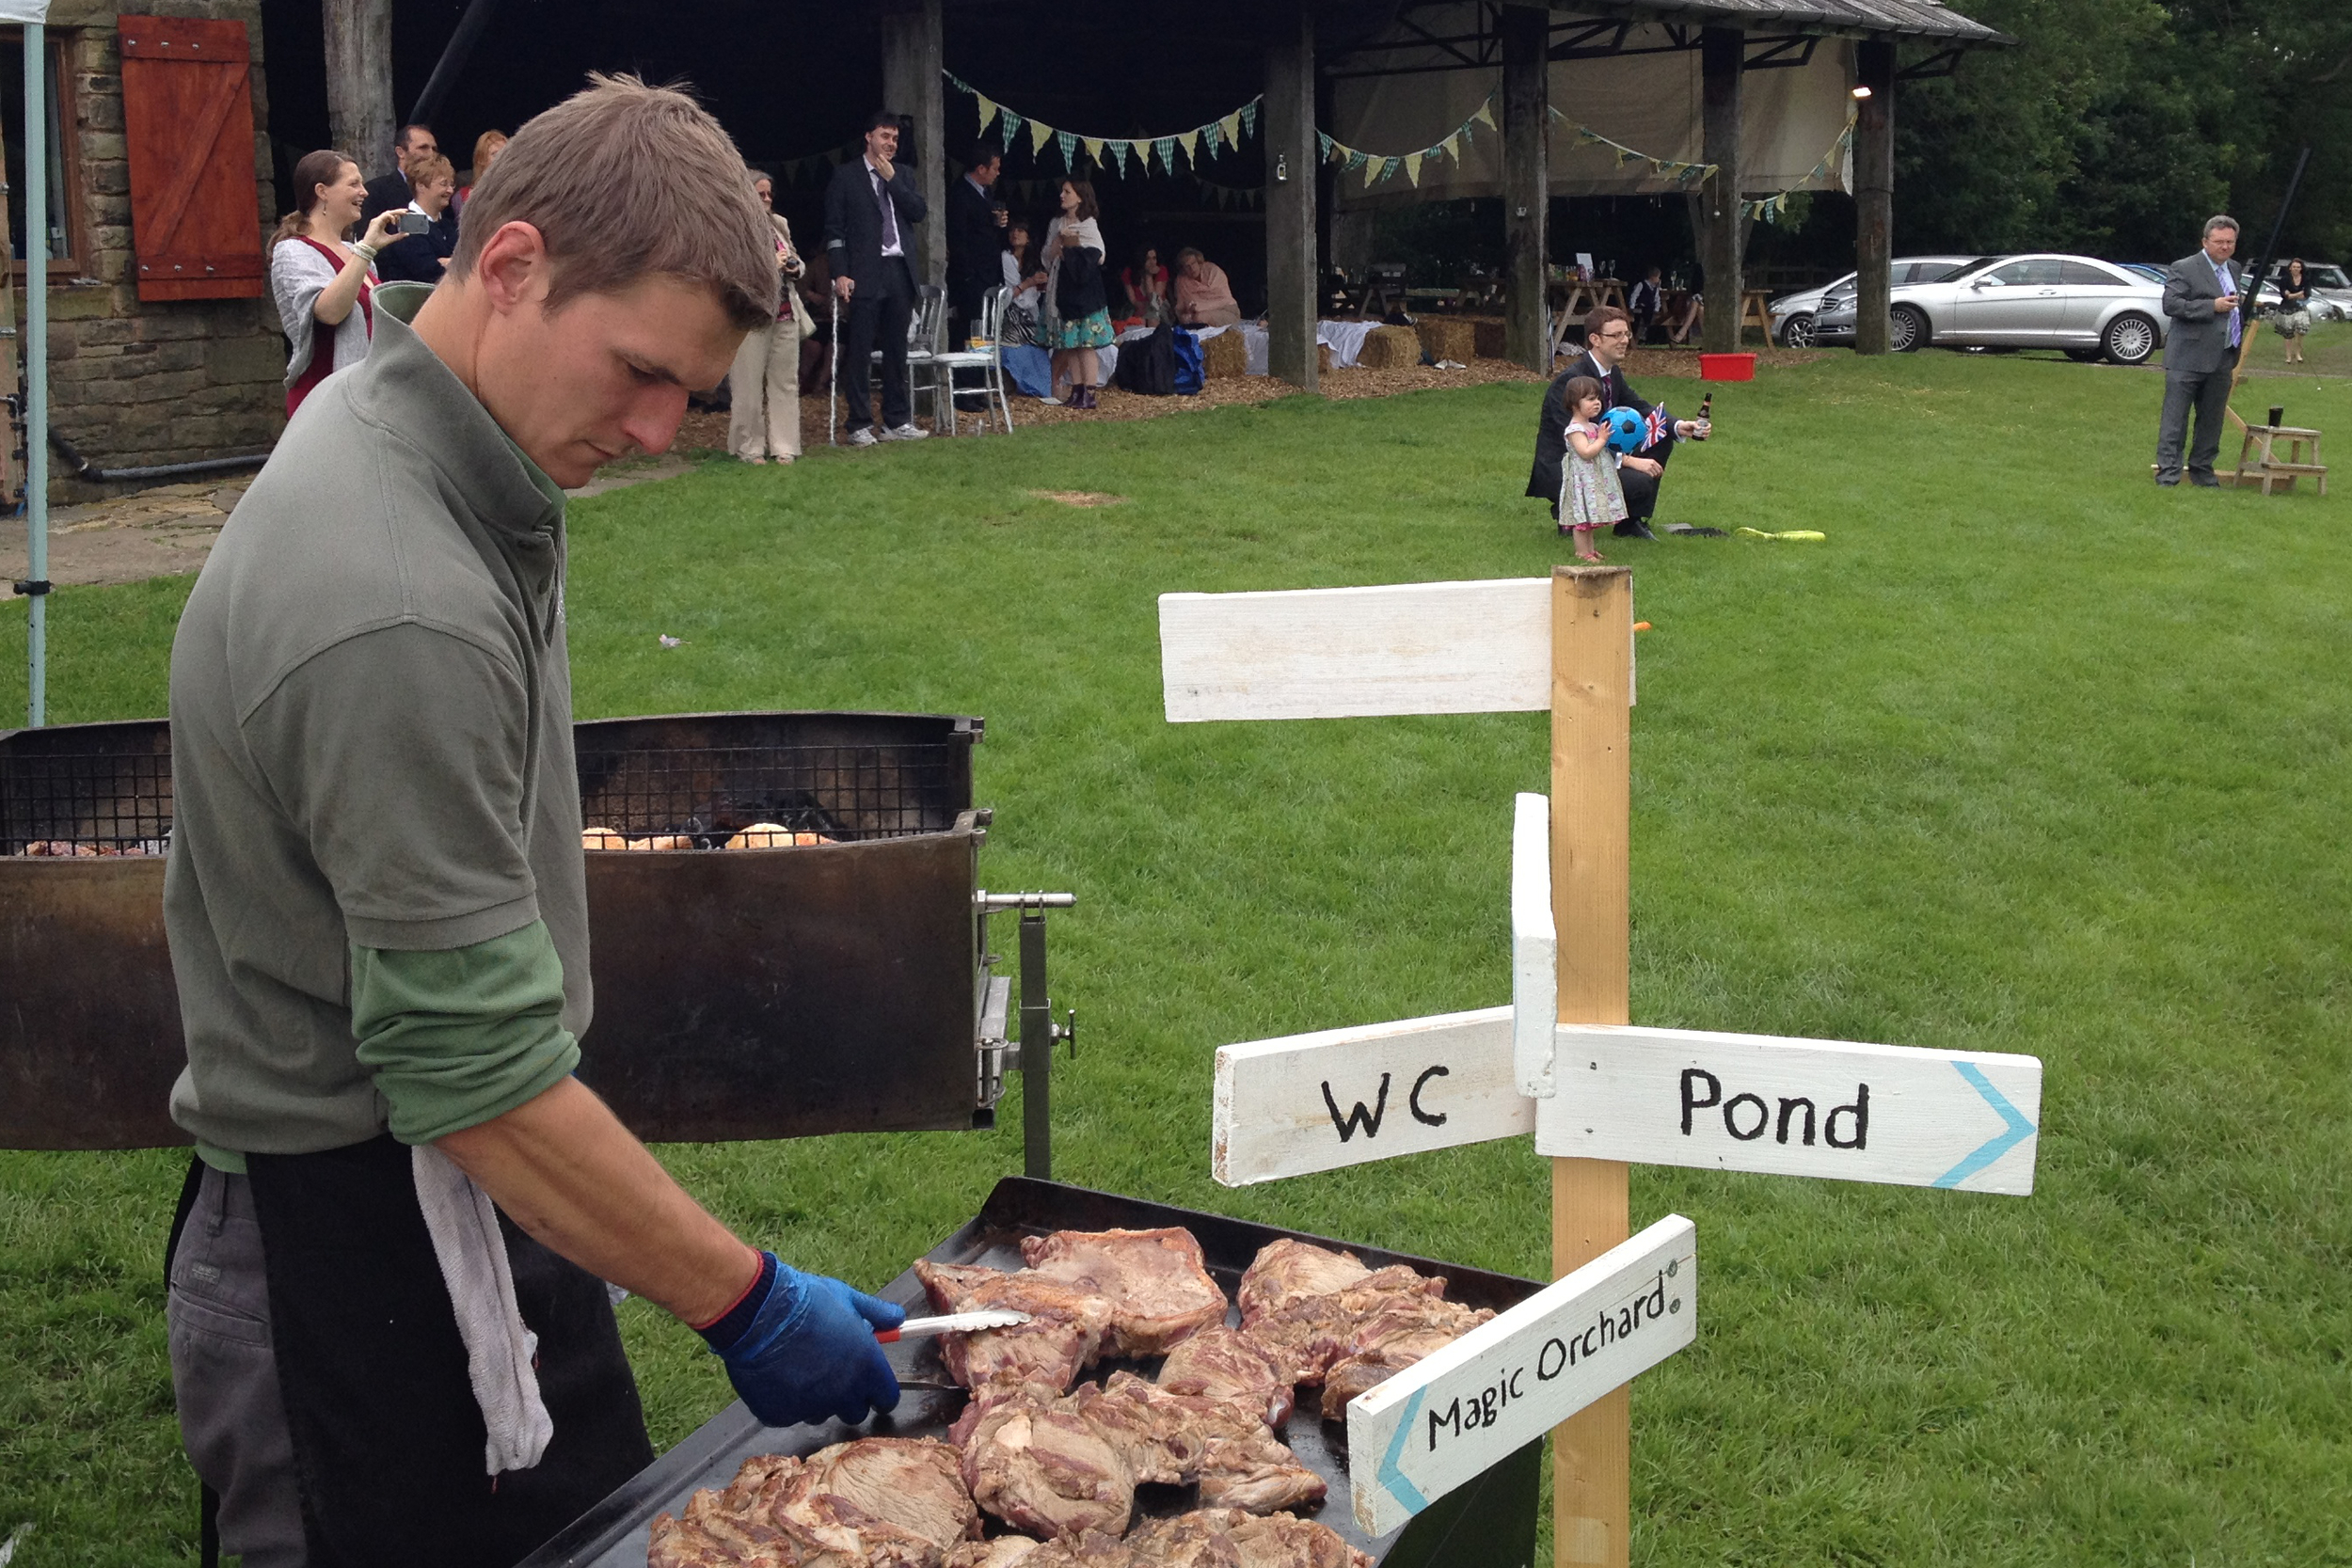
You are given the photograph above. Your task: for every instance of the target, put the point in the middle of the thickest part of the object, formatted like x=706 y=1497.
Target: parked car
x=2147 y=270
x=2088 y=307
x=1834 y=324
x=1793 y=315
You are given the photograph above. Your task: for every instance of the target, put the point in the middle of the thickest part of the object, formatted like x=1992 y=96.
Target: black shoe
x=2203 y=479
x=2167 y=477
x=1633 y=528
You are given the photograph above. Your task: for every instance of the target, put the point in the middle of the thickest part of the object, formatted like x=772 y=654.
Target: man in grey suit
x=2201 y=352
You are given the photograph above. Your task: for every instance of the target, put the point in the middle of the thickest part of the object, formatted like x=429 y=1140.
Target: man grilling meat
x=391 y=1335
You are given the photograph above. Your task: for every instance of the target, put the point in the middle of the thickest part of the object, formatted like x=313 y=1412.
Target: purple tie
x=890 y=224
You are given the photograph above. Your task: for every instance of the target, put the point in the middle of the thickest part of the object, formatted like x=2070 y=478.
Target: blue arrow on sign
x=2015 y=1132
x=1390 y=1477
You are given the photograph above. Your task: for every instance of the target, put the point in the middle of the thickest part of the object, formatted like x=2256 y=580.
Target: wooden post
x=1592 y=669
x=1874 y=194
x=1526 y=184
x=912 y=52
x=1292 y=156
x=1723 y=52
x=360 y=81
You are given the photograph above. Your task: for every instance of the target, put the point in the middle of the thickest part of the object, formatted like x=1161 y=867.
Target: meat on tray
x=1227 y=1538
x=1042 y=1357
x=877 y=1502
x=1158 y=1286
x=1286 y=1270
x=1371 y=1324
x=1225 y=1364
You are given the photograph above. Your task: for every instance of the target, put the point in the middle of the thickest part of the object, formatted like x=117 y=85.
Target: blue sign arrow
x=1390 y=1477
x=2015 y=1132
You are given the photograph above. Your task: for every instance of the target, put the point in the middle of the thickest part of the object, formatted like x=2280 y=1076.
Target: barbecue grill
x=844 y=986
x=1489 y=1522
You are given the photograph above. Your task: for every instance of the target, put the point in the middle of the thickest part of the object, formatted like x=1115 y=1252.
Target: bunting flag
x=1223 y=133
x=1676 y=170
x=1378 y=167
x=1772 y=209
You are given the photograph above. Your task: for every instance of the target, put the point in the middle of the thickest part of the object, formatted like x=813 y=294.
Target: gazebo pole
x=1722 y=55
x=1290 y=211
x=913 y=54
x=1526 y=184
x=1874 y=193
x=36 y=367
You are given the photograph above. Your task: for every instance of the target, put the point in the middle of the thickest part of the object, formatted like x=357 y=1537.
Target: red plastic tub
x=1727 y=367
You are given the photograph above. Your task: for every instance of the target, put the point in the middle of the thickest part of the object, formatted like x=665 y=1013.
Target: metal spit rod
x=1039 y=1032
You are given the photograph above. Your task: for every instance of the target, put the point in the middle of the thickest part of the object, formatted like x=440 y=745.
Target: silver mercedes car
x=2090 y=308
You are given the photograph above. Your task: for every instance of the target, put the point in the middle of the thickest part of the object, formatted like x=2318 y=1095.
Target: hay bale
x=1225 y=355
x=1448 y=338
x=1389 y=348
x=1489 y=341
x=1322 y=357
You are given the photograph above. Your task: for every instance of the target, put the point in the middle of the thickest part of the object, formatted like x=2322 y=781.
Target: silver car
x=2331 y=293
x=2090 y=308
x=1794 y=316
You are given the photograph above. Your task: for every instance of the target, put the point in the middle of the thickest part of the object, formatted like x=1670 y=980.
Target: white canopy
x=25 y=11
x=1792 y=120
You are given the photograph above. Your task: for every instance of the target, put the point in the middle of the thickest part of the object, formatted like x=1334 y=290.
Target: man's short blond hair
x=623 y=180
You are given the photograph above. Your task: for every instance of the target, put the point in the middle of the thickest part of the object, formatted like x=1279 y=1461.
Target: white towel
x=499 y=1349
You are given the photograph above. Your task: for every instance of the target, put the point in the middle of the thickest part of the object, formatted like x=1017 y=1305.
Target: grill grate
x=844 y=792
x=91 y=800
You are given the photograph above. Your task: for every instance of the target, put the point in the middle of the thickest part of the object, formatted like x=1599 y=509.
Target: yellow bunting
x=1452 y=147
x=1040 y=133
x=1094 y=147
x=988 y=111
x=1487 y=113
x=1189 y=140
x=1412 y=167
x=1231 y=125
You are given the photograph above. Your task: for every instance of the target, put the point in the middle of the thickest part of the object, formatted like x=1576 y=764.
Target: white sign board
x=1534 y=948
x=1348 y=653
x=1912 y=1118
x=1346 y=1097
x=1505 y=1384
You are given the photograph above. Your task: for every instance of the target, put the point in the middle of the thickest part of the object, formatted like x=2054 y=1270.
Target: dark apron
x=388 y=1440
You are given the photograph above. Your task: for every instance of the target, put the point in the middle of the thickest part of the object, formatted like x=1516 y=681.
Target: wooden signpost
x=1563 y=1058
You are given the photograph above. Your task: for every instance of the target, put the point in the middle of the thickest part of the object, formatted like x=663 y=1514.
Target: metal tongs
x=954 y=1322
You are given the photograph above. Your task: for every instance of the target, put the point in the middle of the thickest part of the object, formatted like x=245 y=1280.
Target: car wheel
x=1906 y=329
x=2130 y=340
x=1797 y=332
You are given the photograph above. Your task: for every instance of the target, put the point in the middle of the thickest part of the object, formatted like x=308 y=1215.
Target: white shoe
x=862 y=437
x=906 y=433
x=1051 y=403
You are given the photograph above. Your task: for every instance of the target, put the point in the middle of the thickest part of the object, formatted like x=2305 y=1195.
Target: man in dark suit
x=975 y=235
x=1608 y=338
x=868 y=208
x=2201 y=352
x=389 y=192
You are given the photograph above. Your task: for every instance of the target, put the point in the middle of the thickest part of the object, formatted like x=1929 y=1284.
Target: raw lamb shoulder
x=1159 y=1290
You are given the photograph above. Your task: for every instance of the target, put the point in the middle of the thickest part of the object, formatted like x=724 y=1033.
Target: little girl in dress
x=1590 y=497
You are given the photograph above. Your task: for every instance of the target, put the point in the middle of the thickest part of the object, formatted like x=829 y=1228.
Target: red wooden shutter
x=188 y=113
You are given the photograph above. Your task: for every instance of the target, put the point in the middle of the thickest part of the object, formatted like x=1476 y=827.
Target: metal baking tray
x=1489 y=1522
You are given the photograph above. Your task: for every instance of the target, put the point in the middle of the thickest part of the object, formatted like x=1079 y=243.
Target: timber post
x=1592 y=673
x=1723 y=53
x=1874 y=194
x=1526 y=184
x=1292 y=162
x=913 y=54
x=358 y=37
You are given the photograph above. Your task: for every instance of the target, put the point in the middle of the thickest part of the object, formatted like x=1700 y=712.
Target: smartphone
x=414 y=222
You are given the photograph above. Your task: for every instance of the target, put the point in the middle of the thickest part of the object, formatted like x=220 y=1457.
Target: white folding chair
x=989 y=361
x=927 y=340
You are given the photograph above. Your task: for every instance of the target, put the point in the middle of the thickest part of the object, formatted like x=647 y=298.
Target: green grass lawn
x=2029 y=755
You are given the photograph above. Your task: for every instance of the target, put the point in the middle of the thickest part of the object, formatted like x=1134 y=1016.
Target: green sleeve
x=458 y=1036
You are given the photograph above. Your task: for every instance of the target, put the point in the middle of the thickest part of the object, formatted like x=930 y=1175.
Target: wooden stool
x=1755 y=310
x=2264 y=468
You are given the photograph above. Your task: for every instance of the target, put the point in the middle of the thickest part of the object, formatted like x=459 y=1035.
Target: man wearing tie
x=868 y=208
x=2201 y=352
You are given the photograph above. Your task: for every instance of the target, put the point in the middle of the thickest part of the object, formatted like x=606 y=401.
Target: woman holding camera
x=321 y=282
x=764 y=385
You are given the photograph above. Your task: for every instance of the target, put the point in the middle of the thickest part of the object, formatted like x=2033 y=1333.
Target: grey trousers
x=2209 y=394
x=224 y=1376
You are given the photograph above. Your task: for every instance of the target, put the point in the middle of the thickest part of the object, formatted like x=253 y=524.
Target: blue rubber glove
x=800 y=1347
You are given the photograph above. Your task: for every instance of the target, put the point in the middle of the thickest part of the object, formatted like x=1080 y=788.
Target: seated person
x=1646 y=304
x=421 y=258
x=1204 y=297
x=1146 y=283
